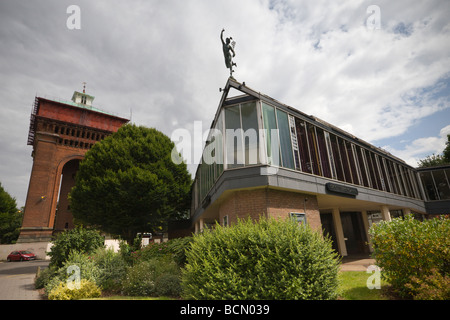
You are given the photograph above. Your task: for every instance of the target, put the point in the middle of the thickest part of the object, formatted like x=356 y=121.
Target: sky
x=377 y=69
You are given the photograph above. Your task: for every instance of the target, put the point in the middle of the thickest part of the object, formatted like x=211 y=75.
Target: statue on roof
x=228 y=52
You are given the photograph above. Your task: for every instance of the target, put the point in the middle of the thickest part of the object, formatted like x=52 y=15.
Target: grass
x=353 y=286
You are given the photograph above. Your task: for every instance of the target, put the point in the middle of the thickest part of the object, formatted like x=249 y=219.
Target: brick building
x=264 y=158
x=61 y=132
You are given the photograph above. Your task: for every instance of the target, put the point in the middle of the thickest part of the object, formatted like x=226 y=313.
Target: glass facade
x=436 y=183
x=255 y=133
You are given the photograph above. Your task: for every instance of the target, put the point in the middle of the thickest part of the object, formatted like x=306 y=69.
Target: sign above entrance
x=344 y=190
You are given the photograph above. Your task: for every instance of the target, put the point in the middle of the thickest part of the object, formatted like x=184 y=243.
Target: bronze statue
x=228 y=49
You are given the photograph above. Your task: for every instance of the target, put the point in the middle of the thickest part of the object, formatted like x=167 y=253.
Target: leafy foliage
x=10 y=218
x=87 y=289
x=128 y=183
x=268 y=259
x=155 y=277
x=76 y=240
x=408 y=250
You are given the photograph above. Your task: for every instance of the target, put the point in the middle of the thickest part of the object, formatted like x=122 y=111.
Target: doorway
x=354 y=233
x=328 y=228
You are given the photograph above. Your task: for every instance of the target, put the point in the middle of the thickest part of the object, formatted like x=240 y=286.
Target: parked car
x=21 y=255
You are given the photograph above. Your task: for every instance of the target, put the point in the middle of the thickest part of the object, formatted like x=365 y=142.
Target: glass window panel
x=219 y=145
x=376 y=178
x=285 y=140
x=337 y=158
x=330 y=155
x=251 y=137
x=384 y=174
x=401 y=188
x=413 y=178
x=362 y=166
x=381 y=184
x=428 y=185
x=323 y=154
x=351 y=160
x=345 y=162
x=392 y=177
x=271 y=133
x=303 y=146
x=313 y=148
x=233 y=138
x=295 y=147
x=406 y=181
x=441 y=183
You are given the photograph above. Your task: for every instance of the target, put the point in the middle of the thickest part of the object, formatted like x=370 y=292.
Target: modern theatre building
x=267 y=159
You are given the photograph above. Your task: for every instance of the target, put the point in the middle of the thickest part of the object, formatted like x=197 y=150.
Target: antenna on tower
x=84 y=87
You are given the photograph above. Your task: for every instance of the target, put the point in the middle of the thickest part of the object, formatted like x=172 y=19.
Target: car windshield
x=25 y=252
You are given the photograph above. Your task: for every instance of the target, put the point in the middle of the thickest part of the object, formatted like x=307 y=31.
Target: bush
x=78 y=239
x=175 y=248
x=112 y=269
x=408 y=249
x=88 y=289
x=88 y=270
x=145 y=278
x=268 y=259
x=432 y=287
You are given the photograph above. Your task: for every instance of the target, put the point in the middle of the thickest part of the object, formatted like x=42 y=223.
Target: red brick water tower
x=61 y=132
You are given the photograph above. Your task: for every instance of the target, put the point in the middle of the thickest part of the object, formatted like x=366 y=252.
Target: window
x=330 y=155
x=234 y=149
x=313 y=148
x=337 y=158
x=251 y=136
x=345 y=162
x=271 y=133
x=302 y=139
x=285 y=140
x=299 y=217
x=225 y=221
x=353 y=165
x=441 y=183
x=323 y=153
x=294 y=140
x=363 y=166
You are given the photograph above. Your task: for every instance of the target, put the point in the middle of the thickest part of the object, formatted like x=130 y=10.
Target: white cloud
x=422 y=147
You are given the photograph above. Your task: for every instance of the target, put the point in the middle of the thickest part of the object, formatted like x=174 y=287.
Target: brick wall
x=269 y=203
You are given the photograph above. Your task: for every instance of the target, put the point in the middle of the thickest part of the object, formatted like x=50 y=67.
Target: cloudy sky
x=383 y=75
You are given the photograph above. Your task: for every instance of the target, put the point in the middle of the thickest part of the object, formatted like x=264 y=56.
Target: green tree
x=10 y=217
x=128 y=184
x=437 y=160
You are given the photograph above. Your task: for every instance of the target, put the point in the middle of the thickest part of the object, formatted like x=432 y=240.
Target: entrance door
x=328 y=229
x=354 y=235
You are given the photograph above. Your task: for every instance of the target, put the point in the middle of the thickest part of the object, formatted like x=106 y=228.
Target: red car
x=21 y=255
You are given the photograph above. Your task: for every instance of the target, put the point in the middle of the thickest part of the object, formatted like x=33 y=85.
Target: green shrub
x=78 y=239
x=268 y=259
x=88 y=270
x=432 y=287
x=408 y=248
x=174 y=248
x=142 y=279
x=87 y=290
x=112 y=269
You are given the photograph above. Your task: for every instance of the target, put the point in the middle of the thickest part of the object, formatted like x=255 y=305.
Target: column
x=385 y=213
x=339 y=232
x=366 y=228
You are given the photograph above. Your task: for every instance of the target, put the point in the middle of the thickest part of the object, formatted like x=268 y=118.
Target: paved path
x=356 y=263
x=17 y=279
